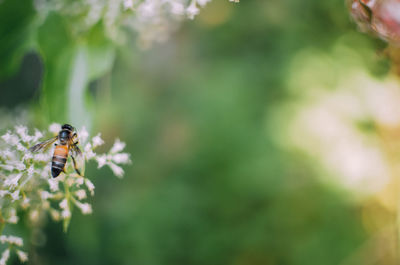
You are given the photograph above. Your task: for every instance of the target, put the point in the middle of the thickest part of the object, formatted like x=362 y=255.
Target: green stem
x=2 y=223
x=67 y=196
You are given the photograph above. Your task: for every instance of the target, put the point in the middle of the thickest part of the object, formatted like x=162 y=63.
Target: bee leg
x=75 y=167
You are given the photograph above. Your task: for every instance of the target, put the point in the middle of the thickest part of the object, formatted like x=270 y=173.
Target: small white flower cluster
x=26 y=183
x=13 y=242
x=153 y=19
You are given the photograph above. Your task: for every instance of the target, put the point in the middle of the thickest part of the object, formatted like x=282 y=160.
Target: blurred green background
x=209 y=182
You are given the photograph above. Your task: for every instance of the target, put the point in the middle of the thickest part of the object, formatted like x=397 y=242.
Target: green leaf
x=71 y=63
x=15 y=28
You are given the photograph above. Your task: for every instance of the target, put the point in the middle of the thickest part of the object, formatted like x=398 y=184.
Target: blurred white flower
x=118 y=171
x=37 y=135
x=90 y=186
x=85 y=208
x=15 y=195
x=121 y=158
x=97 y=141
x=23 y=133
x=54 y=128
x=12 y=181
x=83 y=135
x=66 y=214
x=81 y=194
x=79 y=181
x=117 y=147
x=101 y=161
x=34 y=216
x=192 y=10
x=45 y=195
x=13 y=218
x=12 y=139
x=64 y=204
x=15 y=240
x=53 y=183
x=55 y=215
x=338 y=127
x=5 y=256
x=23 y=256
x=203 y=2
x=154 y=20
x=128 y=4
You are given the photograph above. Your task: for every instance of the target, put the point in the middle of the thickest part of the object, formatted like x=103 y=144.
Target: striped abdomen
x=59 y=159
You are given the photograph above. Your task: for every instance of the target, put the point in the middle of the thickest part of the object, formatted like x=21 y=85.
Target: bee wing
x=77 y=159
x=43 y=145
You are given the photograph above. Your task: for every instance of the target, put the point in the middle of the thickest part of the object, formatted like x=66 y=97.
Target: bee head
x=68 y=127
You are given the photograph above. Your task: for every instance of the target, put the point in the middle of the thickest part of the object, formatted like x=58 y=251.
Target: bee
x=67 y=144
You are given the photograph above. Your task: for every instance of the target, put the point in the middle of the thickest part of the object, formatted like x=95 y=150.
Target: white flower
x=23 y=133
x=88 y=150
x=154 y=20
x=7 y=167
x=15 y=240
x=23 y=256
x=45 y=195
x=15 y=195
x=20 y=147
x=128 y=4
x=34 y=216
x=5 y=256
x=192 y=10
x=83 y=135
x=53 y=183
x=97 y=141
x=79 y=181
x=118 y=171
x=122 y=158
x=20 y=166
x=55 y=215
x=13 y=218
x=55 y=128
x=27 y=155
x=12 y=181
x=41 y=157
x=30 y=171
x=101 y=161
x=90 y=186
x=202 y=2
x=177 y=8
x=118 y=146
x=70 y=181
x=64 y=204
x=85 y=208
x=81 y=194
x=65 y=214
x=25 y=203
x=37 y=136
x=10 y=138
